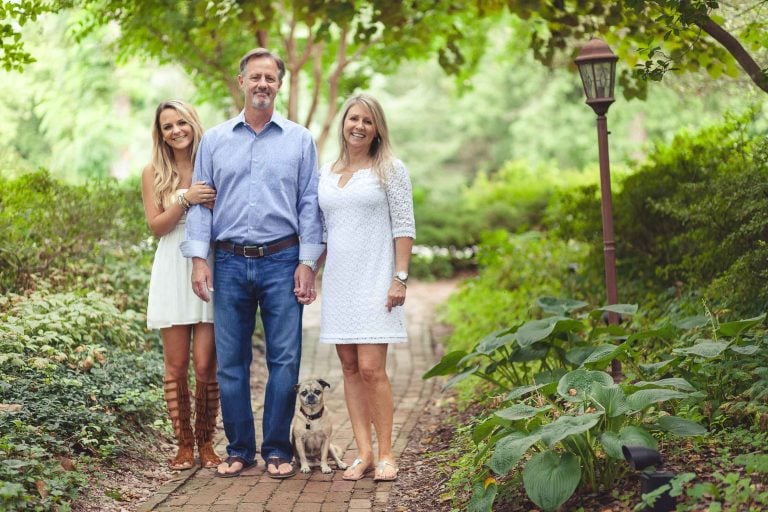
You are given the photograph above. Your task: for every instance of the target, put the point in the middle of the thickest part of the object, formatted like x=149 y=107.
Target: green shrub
x=513 y=198
x=49 y=228
x=514 y=271
x=692 y=217
x=46 y=329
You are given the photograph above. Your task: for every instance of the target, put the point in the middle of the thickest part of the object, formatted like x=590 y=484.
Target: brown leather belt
x=258 y=251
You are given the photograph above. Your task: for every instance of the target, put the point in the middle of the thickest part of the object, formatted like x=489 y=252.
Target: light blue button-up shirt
x=266 y=187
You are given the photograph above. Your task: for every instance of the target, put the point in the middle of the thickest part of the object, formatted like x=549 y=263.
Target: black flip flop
x=232 y=459
x=276 y=461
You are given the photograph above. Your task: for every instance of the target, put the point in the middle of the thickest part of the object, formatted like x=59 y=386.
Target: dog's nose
x=311 y=399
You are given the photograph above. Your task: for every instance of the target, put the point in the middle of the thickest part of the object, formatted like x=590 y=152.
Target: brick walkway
x=197 y=490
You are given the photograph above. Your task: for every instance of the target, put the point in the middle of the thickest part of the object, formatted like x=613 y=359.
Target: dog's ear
x=323 y=383
x=296 y=387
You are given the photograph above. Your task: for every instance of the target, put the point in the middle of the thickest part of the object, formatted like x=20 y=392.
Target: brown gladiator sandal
x=206 y=410
x=177 y=398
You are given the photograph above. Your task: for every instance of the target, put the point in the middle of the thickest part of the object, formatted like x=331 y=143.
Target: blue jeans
x=243 y=286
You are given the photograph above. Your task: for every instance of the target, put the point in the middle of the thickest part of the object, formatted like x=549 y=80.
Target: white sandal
x=354 y=464
x=381 y=467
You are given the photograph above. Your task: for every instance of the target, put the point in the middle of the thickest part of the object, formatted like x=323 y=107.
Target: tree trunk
x=333 y=90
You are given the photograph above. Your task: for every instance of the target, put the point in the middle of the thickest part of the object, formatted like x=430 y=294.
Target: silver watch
x=310 y=263
x=402 y=275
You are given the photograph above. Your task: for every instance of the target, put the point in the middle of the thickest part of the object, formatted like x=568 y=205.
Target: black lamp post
x=597 y=67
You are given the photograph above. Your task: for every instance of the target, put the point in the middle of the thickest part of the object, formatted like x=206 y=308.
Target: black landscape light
x=646 y=461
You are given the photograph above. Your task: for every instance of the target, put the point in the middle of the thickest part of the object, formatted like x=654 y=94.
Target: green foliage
x=514 y=270
x=514 y=199
x=110 y=104
x=13 y=15
x=49 y=229
x=690 y=215
x=727 y=363
x=30 y=479
x=46 y=329
x=78 y=376
x=731 y=475
x=654 y=36
x=561 y=406
x=340 y=44
x=74 y=378
x=730 y=491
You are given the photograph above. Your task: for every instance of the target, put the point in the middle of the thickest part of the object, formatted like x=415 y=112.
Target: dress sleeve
x=400 y=198
x=321 y=173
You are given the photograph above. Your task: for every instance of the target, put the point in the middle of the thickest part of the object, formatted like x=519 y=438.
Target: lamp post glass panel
x=598 y=79
x=597 y=67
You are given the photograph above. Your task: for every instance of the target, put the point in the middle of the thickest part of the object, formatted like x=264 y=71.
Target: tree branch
x=317 y=74
x=206 y=63
x=289 y=43
x=333 y=88
x=734 y=47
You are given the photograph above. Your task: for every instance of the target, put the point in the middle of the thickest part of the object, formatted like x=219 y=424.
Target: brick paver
x=197 y=490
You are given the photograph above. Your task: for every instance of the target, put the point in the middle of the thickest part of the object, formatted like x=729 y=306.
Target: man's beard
x=261 y=103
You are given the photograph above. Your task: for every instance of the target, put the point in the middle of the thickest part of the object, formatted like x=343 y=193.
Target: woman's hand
x=396 y=295
x=200 y=193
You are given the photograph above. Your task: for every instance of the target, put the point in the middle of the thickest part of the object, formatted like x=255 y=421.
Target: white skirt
x=171 y=299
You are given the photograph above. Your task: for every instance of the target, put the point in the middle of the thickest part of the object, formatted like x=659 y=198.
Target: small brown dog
x=312 y=428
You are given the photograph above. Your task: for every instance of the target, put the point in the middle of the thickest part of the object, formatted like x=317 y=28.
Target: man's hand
x=304 y=284
x=202 y=281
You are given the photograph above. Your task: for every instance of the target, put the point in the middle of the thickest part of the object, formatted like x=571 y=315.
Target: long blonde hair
x=380 y=150
x=163 y=160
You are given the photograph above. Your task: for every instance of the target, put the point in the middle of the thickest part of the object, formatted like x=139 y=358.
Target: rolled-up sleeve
x=310 y=221
x=199 y=218
x=400 y=198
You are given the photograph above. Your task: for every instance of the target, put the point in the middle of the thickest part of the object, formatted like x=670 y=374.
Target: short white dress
x=171 y=299
x=361 y=220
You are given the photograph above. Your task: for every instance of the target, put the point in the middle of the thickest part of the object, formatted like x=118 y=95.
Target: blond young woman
x=184 y=320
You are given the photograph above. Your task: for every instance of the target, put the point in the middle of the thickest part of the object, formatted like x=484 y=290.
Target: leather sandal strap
x=276 y=461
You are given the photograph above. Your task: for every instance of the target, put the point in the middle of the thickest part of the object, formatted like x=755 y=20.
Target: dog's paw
x=342 y=465
x=326 y=469
x=305 y=469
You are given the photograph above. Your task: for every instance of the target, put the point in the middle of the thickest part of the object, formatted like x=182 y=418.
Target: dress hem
x=163 y=325
x=362 y=341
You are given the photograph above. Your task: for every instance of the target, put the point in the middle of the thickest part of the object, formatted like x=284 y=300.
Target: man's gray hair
x=263 y=52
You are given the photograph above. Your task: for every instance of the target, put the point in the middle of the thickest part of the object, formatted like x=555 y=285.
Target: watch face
x=402 y=275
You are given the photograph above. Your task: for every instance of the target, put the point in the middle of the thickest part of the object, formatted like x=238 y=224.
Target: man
x=266 y=232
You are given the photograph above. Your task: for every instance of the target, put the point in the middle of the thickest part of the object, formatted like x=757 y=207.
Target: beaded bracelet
x=182 y=201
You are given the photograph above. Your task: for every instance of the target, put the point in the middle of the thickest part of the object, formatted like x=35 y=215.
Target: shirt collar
x=276 y=119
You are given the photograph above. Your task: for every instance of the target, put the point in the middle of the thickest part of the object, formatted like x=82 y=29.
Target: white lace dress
x=171 y=299
x=361 y=220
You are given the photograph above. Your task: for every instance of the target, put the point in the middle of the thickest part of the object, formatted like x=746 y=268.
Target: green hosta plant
x=572 y=432
x=565 y=419
x=541 y=350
